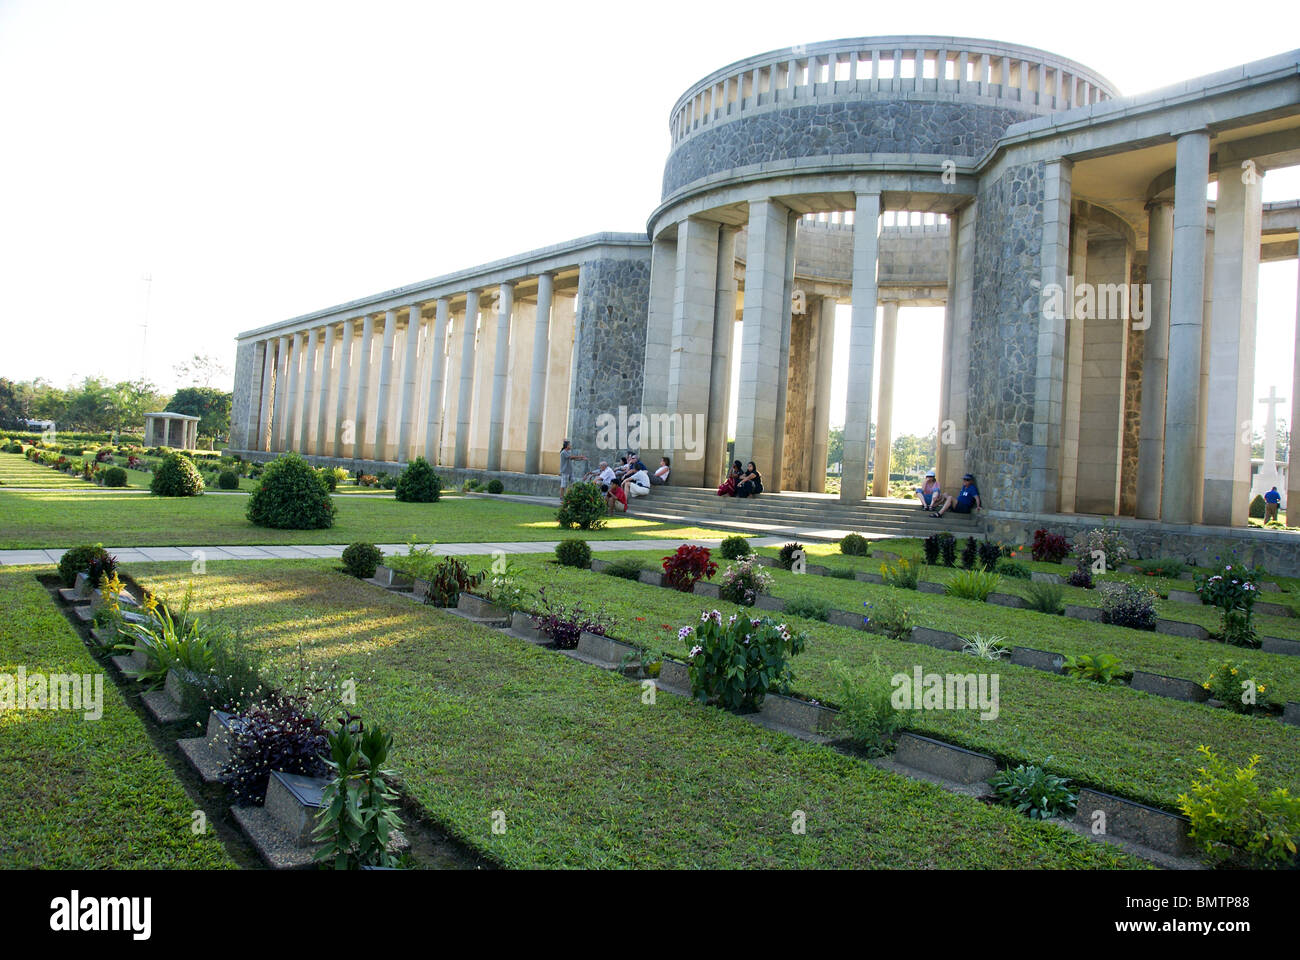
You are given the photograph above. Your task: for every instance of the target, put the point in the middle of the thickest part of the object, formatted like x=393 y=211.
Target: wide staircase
x=826 y=515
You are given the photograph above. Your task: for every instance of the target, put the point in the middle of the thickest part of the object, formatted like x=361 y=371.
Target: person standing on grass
x=567 y=458
x=1272 y=500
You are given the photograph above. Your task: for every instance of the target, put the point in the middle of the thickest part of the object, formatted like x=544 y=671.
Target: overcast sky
x=261 y=160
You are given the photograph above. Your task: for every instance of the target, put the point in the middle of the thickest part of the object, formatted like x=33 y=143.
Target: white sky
x=263 y=159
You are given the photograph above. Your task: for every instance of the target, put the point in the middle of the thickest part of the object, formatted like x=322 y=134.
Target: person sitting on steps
x=750 y=483
x=966 y=501
x=728 y=487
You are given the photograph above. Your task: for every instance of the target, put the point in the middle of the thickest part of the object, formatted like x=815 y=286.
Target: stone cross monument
x=1267 y=478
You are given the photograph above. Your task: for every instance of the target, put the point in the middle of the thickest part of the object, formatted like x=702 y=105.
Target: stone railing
x=1035 y=80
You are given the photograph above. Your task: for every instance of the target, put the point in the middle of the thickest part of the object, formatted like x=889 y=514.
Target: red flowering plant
x=687 y=567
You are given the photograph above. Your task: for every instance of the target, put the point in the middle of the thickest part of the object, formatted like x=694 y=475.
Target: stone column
x=406 y=418
x=500 y=371
x=760 y=351
x=690 y=365
x=862 y=347
x=659 y=335
x=362 y=424
x=293 y=411
x=1155 y=359
x=1186 y=289
x=783 y=365
x=342 y=430
x=1072 y=360
x=537 y=383
x=323 y=447
x=1197 y=479
x=946 y=359
x=1293 y=425
x=382 y=431
x=307 y=419
x=437 y=365
x=885 y=403
x=724 y=328
x=822 y=403
x=1101 y=413
x=279 y=433
x=464 y=402
x=1237 y=215
x=261 y=442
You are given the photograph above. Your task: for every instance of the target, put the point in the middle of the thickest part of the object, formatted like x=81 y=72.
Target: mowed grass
x=17 y=471
x=119 y=519
x=584 y=773
x=77 y=793
x=1113 y=738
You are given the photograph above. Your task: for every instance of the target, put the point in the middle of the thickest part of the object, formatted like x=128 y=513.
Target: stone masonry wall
x=609 y=351
x=1004 y=335
x=1132 y=408
x=887 y=125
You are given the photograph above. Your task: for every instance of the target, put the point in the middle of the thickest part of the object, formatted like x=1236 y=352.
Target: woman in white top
x=661 y=472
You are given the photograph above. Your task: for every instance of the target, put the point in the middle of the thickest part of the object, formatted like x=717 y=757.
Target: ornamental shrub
x=1257 y=507
x=114 y=477
x=91 y=559
x=583 y=507
x=292 y=496
x=495 y=486
x=418 y=483
x=970 y=554
x=1236 y=687
x=1128 y=605
x=1013 y=569
x=867 y=712
x=1101 y=544
x=1080 y=576
x=1044 y=597
x=360 y=559
x=737 y=663
x=1033 y=791
x=744 y=581
x=1049 y=547
x=176 y=476
x=573 y=553
x=279 y=734
x=687 y=566
x=989 y=553
x=1234 y=821
x=734 y=547
x=565 y=625
x=808 y=608
x=972 y=585
x=889 y=617
x=902 y=573
x=1104 y=668
x=790 y=553
x=1161 y=567
x=448 y=580
x=228 y=480
x=855 y=545
x=624 y=569
x=1233 y=588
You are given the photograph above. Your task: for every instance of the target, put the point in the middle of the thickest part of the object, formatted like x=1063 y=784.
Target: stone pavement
x=306 y=551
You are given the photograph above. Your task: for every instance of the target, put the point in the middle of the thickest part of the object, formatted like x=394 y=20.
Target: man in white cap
x=929 y=493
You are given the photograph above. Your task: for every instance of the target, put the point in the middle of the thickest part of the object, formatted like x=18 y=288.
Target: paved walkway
x=308 y=551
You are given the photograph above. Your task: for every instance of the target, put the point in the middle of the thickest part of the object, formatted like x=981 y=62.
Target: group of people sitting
x=935 y=500
x=629 y=479
x=741 y=482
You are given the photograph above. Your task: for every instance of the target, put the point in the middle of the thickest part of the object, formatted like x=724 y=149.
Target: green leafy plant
x=1013 y=569
x=1098 y=668
x=744 y=581
x=360 y=559
x=1233 y=588
x=168 y=643
x=90 y=559
x=788 y=554
x=358 y=808
x=1128 y=605
x=574 y=553
x=972 y=584
x=1081 y=576
x=418 y=483
x=1234 y=821
x=625 y=569
x=1161 y=567
x=991 y=647
x=736 y=663
x=114 y=477
x=889 y=617
x=867 y=712
x=291 y=496
x=903 y=573
x=228 y=480
x=1035 y=792
x=1044 y=597
x=583 y=506
x=855 y=545
x=565 y=624
x=176 y=476
x=807 y=608
x=448 y=580
x=734 y=547
x=1104 y=544
x=1240 y=690
x=495 y=486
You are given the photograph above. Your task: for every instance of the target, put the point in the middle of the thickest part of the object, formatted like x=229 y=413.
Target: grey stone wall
x=609 y=344
x=1132 y=407
x=1004 y=335
x=890 y=124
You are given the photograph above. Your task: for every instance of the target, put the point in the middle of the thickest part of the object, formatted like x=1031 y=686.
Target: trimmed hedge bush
x=574 y=553
x=361 y=559
x=176 y=476
x=114 y=477
x=583 y=507
x=292 y=497
x=86 y=558
x=855 y=545
x=418 y=483
x=495 y=486
x=735 y=547
x=228 y=480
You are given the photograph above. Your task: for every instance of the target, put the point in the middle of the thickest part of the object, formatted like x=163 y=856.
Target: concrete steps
x=882 y=517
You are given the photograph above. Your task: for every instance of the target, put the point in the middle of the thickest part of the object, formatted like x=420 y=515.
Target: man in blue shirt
x=966 y=500
x=1272 y=500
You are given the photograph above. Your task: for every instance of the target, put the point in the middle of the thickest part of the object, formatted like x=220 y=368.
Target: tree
x=90 y=406
x=210 y=405
x=835 y=446
x=132 y=399
x=201 y=369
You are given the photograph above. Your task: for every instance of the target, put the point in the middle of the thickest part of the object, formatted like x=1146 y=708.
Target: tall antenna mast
x=144 y=336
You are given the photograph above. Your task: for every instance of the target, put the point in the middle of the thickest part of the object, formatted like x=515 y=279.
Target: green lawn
x=586 y=774
x=17 y=471
x=1117 y=739
x=78 y=793
x=60 y=518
